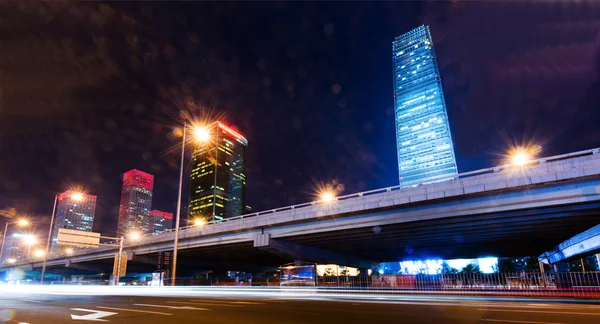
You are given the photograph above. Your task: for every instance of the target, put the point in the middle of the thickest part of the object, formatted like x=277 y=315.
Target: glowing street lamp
x=135 y=236
x=39 y=253
x=327 y=196
x=69 y=251
x=29 y=240
x=11 y=260
x=520 y=157
x=201 y=134
x=199 y=222
x=75 y=195
x=22 y=222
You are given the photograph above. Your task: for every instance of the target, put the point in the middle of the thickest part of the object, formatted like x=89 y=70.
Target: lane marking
x=95 y=315
x=523 y=322
x=246 y=303
x=203 y=304
x=173 y=307
x=133 y=310
x=532 y=311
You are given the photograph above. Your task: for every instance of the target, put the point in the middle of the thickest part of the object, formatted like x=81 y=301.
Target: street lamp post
x=49 y=239
x=118 y=271
x=3 y=240
x=74 y=195
x=215 y=171
x=201 y=134
x=178 y=213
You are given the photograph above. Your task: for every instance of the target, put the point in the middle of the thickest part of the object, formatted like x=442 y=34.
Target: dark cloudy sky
x=91 y=90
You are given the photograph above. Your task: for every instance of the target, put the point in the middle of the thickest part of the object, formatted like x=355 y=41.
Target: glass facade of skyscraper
x=136 y=201
x=224 y=195
x=423 y=139
x=76 y=214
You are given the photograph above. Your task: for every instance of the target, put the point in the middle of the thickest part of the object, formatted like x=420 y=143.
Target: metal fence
x=519 y=283
x=534 y=284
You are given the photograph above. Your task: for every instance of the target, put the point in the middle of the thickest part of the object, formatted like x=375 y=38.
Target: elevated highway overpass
x=502 y=211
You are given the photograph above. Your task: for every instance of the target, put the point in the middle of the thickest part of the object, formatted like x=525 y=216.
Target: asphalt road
x=49 y=308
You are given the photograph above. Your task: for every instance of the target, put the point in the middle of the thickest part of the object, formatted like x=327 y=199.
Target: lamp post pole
x=178 y=214
x=215 y=171
x=3 y=240
x=118 y=271
x=50 y=231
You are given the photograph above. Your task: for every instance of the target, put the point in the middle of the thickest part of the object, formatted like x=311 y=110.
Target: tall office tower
x=160 y=221
x=136 y=201
x=74 y=211
x=423 y=139
x=218 y=175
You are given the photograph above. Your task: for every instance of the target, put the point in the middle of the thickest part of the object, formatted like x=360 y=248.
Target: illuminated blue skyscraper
x=423 y=138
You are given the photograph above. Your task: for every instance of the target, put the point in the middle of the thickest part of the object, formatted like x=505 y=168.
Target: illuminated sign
x=232 y=132
x=157 y=213
x=139 y=179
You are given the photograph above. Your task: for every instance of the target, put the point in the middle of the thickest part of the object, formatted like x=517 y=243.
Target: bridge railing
x=404 y=186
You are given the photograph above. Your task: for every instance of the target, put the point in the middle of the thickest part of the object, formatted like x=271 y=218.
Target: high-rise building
x=160 y=221
x=218 y=175
x=14 y=248
x=423 y=139
x=74 y=211
x=136 y=201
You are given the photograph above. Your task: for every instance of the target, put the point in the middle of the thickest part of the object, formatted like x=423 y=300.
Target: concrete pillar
x=582 y=266
x=543 y=275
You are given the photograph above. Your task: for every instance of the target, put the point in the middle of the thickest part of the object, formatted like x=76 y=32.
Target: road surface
x=267 y=308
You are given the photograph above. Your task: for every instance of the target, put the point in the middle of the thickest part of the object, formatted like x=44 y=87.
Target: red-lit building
x=160 y=221
x=136 y=201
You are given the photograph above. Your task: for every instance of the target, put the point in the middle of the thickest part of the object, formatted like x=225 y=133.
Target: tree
x=446 y=269
x=328 y=272
x=470 y=269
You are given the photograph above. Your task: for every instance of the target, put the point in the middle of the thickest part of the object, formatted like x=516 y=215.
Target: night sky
x=91 y=90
